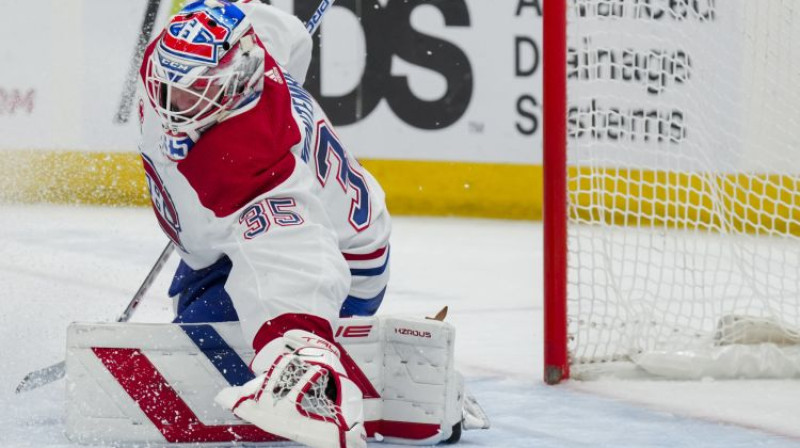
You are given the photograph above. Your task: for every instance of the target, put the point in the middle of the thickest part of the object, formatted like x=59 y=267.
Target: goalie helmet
x=206 y=65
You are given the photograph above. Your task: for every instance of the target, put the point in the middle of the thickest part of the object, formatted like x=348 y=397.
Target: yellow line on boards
x=721 y=203
x=412 y=187
x=72 y=177
x=764 y=204
x=460 y=189
x=176 y=6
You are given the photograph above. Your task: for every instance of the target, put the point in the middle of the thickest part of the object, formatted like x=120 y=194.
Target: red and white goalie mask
x=207 y=65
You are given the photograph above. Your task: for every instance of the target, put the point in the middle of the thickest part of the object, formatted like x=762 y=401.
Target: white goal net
x=683 y=119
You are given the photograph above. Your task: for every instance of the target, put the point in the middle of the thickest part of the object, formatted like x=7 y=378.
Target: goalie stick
x=47 y=375
x=316 y=18
x=55 y=372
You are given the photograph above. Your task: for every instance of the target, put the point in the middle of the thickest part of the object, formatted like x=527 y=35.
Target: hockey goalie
x=284 y=245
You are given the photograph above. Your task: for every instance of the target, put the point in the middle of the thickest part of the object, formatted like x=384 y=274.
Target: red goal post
x=556 y=365
x=671 y=155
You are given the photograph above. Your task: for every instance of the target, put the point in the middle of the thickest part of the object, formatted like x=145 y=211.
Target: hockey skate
x=303 y=394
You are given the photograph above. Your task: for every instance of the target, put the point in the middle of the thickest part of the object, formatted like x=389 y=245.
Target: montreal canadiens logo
x=165 y=210
x=196 y=36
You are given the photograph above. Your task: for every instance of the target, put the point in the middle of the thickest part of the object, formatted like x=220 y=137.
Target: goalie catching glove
x=302 y=393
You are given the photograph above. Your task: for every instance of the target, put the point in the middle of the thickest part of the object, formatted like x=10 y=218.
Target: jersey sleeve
x=284 y=36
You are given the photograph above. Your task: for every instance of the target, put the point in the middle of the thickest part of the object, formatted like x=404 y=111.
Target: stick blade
x=440 y=316
x=39 y=378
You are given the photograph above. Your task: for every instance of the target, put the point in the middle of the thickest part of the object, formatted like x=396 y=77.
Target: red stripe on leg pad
x=404 y=430
x=163 y=407
x=173 y=418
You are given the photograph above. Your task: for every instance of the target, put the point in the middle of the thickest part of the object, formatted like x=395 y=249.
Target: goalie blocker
x=156 y=383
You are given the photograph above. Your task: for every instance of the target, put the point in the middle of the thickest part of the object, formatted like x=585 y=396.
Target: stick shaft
x=129 y=88
x=47 y=375
x=148 y=281
x=316 y=18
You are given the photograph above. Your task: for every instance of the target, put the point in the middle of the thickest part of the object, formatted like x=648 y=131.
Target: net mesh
x=314 y=402
x=684 y=130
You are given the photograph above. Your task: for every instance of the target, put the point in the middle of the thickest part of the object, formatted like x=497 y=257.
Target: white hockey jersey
x=273 y=188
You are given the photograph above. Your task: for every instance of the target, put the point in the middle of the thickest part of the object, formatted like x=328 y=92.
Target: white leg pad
x=416 y=396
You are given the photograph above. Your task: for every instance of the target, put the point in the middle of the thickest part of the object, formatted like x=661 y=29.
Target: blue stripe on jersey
x=221 y=355
x=304 y=106
x=354 y=306
x=372 y=272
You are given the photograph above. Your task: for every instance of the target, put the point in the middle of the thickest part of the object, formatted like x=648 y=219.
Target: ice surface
x=63 y=264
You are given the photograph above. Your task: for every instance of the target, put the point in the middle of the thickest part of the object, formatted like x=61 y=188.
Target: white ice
x=63 y=264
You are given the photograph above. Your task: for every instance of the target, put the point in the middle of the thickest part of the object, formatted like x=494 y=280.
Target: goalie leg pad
x=414 y=396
